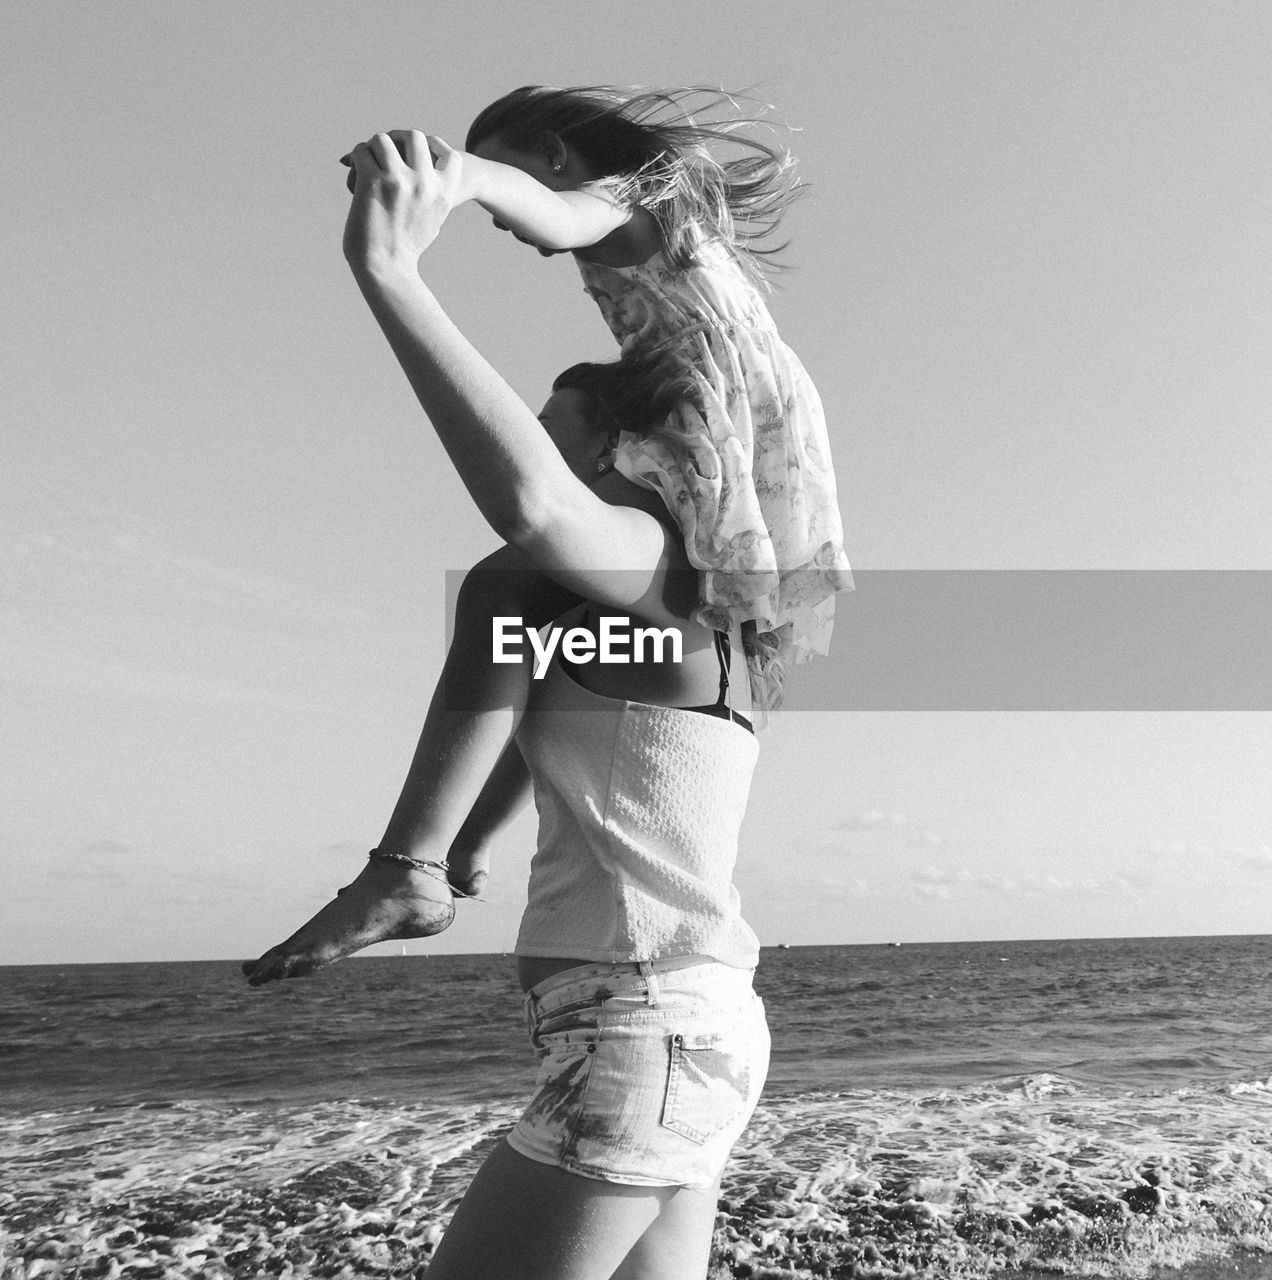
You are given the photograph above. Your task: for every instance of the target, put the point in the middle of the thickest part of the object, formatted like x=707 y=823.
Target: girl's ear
x=555 y=152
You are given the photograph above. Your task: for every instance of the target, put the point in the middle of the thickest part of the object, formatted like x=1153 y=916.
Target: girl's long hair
x=662 y=150
x=634 y=395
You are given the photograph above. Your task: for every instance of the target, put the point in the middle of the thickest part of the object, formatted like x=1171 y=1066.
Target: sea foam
x=1032 y=1172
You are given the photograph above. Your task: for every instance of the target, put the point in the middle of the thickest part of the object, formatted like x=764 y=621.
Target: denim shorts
x=647 y=1073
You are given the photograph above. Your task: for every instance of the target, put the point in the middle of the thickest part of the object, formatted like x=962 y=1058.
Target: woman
x=635 y=959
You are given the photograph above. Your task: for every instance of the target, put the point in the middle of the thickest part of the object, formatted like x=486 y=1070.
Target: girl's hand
x=401 y=197
x=444 y=155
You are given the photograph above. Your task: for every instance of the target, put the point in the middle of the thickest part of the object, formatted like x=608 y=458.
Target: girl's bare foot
x=388 y=900
x=468 y=870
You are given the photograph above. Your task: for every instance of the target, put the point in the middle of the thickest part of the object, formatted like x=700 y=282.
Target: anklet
x=432 y=868
x=438 y=870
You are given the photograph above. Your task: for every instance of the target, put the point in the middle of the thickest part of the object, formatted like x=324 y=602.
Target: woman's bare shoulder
x=616 y=489
x=680 y=587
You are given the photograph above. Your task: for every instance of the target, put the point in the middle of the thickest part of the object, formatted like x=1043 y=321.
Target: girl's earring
x=602 y=466
x=557 y=167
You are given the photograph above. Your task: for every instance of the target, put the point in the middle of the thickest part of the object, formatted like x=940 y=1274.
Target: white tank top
x=639 y=812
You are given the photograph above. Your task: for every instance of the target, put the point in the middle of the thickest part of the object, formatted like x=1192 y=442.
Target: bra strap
x=722 y=649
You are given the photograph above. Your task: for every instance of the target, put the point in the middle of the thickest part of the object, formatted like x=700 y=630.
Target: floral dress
x=743 y=465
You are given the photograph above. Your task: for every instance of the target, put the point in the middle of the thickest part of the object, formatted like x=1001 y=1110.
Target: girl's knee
x=487 y=592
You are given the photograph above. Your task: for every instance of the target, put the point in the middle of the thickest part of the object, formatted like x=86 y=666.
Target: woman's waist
x=548 y=978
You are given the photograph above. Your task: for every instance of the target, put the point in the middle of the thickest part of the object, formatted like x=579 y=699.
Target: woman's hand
x=404 y=186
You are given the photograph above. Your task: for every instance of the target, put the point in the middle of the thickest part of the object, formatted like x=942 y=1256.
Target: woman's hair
x=634 y=396
x=649 y=149
x=634 y=393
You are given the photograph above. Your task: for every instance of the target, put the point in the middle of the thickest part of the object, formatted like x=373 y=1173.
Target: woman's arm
x=615 y=554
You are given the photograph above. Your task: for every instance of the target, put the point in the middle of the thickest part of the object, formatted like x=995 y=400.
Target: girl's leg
x=521 y=1220
x=474 y=712
x=677 y=1244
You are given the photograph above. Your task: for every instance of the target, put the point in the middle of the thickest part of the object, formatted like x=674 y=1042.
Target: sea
x=1015 y=1109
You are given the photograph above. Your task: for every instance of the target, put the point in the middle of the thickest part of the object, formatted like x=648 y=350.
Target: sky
x=1033 y=283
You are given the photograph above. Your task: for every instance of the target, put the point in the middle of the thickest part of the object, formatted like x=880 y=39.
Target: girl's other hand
x=401 y=197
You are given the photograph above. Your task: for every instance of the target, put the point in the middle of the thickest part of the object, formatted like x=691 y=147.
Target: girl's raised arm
x=614 y=554
x=554 y=220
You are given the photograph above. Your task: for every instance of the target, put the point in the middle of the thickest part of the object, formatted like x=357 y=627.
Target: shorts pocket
x=707 y=1086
